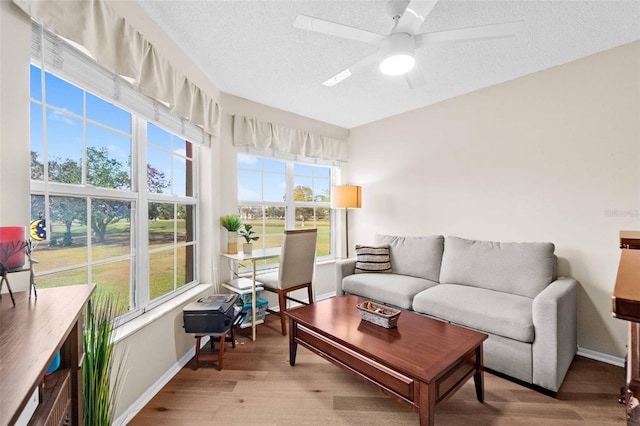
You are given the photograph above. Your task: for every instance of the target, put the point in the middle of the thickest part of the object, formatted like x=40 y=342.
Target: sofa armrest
x=344 y=268
x=555 y=325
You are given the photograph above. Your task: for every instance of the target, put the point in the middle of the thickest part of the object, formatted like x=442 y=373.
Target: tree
x=156 y=180
x=163 y=211
x=275 y=212
x=37 y=206
x=106 y=212
x=66 y=210
x=65 y=170
x=303 y=193
x=104 y=171
x=181 y=212
x=37 y=168
x=63 y=209
x=249 y=212
x=156 y=184
x=323 y=198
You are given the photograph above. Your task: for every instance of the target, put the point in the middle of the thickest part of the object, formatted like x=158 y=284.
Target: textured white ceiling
x=251 y=50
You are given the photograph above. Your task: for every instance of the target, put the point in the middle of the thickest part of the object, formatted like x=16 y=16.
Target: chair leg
x=282 y=302
x=310 y=291
x=233 y=338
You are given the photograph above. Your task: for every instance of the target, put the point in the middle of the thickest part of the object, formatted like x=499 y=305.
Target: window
x=274 y=195
x=171 y=224
x=118 y=194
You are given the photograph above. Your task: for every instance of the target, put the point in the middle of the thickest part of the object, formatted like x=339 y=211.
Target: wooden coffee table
x=422 y=362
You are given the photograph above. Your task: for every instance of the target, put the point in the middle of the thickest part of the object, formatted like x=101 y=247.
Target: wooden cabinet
x=31 y=333
x=625 y=304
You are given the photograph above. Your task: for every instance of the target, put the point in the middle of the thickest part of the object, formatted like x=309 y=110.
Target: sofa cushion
x=494 y=312
x=518 y=268
x=415 y=256
x=372 y=259
x=394 y=289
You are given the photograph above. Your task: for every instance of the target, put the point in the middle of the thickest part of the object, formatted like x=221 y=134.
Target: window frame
x=137 y=195
x=289 y=204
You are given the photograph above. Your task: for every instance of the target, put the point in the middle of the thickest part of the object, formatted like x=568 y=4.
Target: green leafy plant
x=231 y=223
x=99 y=390
x=248 y=233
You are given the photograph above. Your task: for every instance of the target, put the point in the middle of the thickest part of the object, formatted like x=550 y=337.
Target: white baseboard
x=326 y=295
x=144 y=399
x=600 y=356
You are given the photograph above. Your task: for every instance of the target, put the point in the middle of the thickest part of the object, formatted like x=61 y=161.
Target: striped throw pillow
x=372 y=259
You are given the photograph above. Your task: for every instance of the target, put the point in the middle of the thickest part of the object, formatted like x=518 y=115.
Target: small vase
x=247 y=248
x=232 y=242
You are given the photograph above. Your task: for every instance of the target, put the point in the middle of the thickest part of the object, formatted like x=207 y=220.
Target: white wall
x=553 y=156
x=15 y=39
x=324 y=278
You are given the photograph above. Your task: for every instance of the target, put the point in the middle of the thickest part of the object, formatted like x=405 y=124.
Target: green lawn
x=276 y=226
x=115 y=277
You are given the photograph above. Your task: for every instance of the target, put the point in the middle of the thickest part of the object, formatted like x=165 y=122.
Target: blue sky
x=262 y=179
x=65 y=132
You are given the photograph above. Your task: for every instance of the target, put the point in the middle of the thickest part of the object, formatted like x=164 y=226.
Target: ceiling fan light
x=397 y=64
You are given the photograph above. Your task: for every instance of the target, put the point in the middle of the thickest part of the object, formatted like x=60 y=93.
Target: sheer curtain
x=117 y=46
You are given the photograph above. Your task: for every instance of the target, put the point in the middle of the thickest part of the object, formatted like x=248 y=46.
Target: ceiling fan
x=396 y=51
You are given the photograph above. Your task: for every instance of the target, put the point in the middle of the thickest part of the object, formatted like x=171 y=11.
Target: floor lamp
x=346 y=197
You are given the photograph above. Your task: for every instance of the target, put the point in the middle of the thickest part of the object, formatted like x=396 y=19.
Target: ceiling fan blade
x=310 y=23
x=414 y=16
x=415 y=78
x=348 y=72
x=484 y=32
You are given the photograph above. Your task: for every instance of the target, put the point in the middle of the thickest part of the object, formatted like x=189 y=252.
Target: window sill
x=138 y=323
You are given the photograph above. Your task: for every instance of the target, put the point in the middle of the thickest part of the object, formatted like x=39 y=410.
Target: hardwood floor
x=258 y=386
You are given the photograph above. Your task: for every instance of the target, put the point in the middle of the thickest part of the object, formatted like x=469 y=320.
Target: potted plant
x=249 y=235
x=100 y=381
x=232 y=224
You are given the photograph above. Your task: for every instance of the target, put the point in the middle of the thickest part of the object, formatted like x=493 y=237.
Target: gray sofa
x=508 y=290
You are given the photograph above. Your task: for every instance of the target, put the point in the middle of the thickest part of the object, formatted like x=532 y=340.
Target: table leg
x=221 y=352
x=427 y=404
x=478 y=377
x=293 y=346
x=253 y=303
x=195 y=359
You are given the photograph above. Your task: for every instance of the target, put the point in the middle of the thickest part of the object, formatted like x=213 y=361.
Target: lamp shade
x=346 y=196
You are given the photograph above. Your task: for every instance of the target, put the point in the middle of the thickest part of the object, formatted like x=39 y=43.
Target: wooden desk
x=31 y=333
x=254 y=257
x=625 y=304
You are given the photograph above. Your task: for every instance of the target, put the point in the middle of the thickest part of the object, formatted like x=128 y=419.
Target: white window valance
x=59 y=57
x=117 y=46
x=251 y=132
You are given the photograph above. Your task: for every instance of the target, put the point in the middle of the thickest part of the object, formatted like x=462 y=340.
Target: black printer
x=212 y=314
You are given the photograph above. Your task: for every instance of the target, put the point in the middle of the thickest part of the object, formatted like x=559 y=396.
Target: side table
x=254 y=257
x=224 y=337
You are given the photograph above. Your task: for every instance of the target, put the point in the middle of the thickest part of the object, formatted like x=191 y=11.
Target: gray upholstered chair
x=297 y=261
